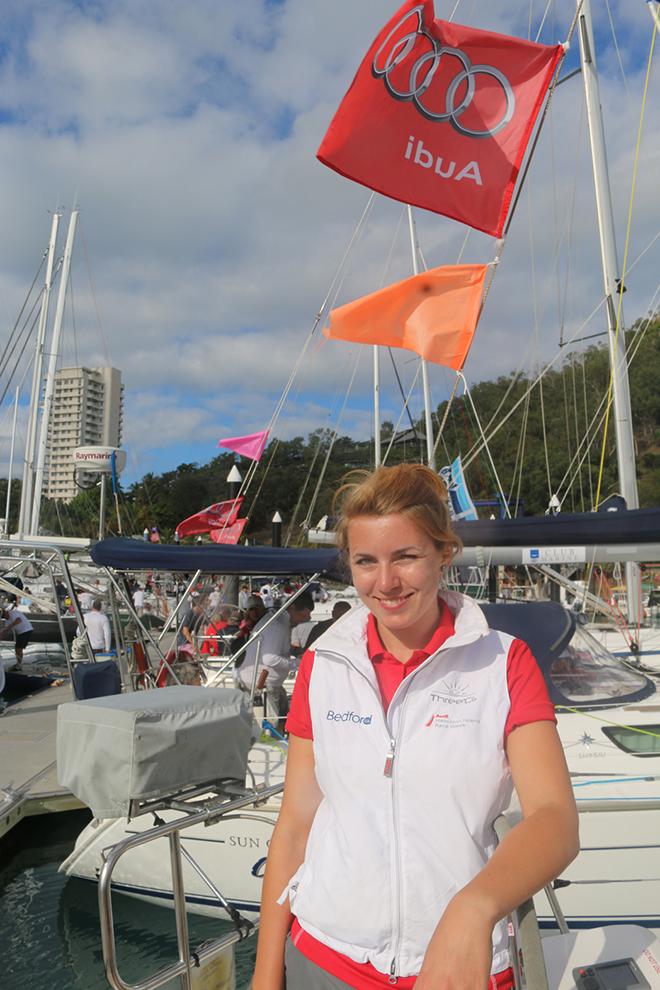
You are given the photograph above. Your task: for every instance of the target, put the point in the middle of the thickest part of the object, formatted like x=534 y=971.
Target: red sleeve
x=299 y=722
x=530 y=701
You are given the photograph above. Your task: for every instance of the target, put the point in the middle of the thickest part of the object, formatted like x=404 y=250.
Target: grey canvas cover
x=145 y=744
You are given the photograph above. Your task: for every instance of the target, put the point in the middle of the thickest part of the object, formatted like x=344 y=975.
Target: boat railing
x=189 y=959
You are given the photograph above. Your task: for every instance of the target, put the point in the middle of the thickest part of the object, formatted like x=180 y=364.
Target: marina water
x=49 y=923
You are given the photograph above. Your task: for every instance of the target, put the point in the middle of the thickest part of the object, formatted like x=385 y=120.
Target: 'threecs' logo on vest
x=348 y=717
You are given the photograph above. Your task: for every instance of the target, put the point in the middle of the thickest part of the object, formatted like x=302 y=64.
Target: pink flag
x=229 y=534
x=251 y=446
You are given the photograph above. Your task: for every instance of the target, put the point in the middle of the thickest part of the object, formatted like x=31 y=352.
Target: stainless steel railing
x=188 y=959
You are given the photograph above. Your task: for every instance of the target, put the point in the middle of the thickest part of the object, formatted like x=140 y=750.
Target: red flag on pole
x=434 y=314
x=229 y=534
x=218 y=515
x=440 y=115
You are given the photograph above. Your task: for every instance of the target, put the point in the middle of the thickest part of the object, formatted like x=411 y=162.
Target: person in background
x=149 y=620
x=85 y=600
x=145 y=534
x=384 y=868
x=338 y=609
x=213 y=644
x=243 y=596
x=154 y=536
x=17 y=582
x=274 y=654
x=25 y=602
x=23 y=629
x=97 y=625
x=215 y=598
x=266 y=593
x=62 y=594
x=189 y=626
x=138 y=599
x=254 y=610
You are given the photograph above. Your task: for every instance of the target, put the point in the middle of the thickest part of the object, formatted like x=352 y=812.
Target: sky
x=210 y=235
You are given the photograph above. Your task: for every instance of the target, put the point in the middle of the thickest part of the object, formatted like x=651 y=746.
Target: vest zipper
x=396 y=934
x=388 y=769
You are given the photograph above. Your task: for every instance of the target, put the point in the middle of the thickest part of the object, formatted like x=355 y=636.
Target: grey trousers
x=301 y=974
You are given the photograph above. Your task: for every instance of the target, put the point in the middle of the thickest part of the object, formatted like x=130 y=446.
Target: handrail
x=527 y=936
x=187 y=959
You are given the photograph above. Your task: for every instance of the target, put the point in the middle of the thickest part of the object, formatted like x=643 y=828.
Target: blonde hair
x=411 y=490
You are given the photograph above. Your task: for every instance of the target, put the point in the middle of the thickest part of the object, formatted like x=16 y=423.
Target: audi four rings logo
x=394 y=51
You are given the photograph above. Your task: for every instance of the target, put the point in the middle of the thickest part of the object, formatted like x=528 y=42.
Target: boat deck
x=28 y=773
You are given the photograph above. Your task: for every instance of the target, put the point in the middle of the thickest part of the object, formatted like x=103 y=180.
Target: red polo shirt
x=530 y=702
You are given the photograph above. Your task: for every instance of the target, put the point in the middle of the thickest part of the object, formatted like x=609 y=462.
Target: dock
x=28 y=772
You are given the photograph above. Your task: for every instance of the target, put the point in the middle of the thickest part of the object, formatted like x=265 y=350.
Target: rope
x=625 y=261
x=607 y=721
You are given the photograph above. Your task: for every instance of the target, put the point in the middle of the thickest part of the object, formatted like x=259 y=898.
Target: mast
x=430 y=456
x=31 y=440
x=50 y=378
x=612 y=280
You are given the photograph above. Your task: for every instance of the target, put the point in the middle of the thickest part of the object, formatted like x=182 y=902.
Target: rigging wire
x=536 y=332
x=577 y=427
x=596 y=424
x=331 y=445
x=476 y=450
x=586 y=423
x=22 y=310
x=97 y=312
x=616 y=48
x=568 y=431
x=334 y=289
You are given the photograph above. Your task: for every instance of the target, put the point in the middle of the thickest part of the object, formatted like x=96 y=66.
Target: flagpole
x=430 y=451
x=377 y=448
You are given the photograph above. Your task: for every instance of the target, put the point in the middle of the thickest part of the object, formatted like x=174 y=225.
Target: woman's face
x=396 y=569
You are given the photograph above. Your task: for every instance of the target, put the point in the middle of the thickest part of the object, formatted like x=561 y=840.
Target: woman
x=212 y=643
x=410 y=724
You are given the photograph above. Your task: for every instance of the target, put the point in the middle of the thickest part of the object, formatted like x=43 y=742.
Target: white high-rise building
x=87 y=410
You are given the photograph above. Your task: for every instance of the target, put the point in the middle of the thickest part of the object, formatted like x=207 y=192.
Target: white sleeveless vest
x=408 y=799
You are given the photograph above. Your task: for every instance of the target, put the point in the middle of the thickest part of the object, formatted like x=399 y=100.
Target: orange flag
x=434 y=314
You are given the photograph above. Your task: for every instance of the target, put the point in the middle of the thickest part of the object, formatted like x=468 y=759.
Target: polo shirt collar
x=443 y=631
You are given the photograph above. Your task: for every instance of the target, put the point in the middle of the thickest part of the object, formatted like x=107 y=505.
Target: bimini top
x=137 y=555
x=628 y=526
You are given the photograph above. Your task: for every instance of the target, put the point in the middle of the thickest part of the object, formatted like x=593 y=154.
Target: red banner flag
x=434 y=314
x=230 y=534
x=221 y=514
x=439 y=116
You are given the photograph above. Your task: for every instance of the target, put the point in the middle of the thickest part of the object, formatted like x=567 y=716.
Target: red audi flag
x=216 y=516
x=229 y=534
x=440 y=115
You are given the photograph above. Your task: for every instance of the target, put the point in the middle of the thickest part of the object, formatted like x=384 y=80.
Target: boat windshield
x=588 y=674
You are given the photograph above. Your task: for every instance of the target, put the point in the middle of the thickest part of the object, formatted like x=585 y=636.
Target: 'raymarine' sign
x=99 y=459
x=554 y=555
